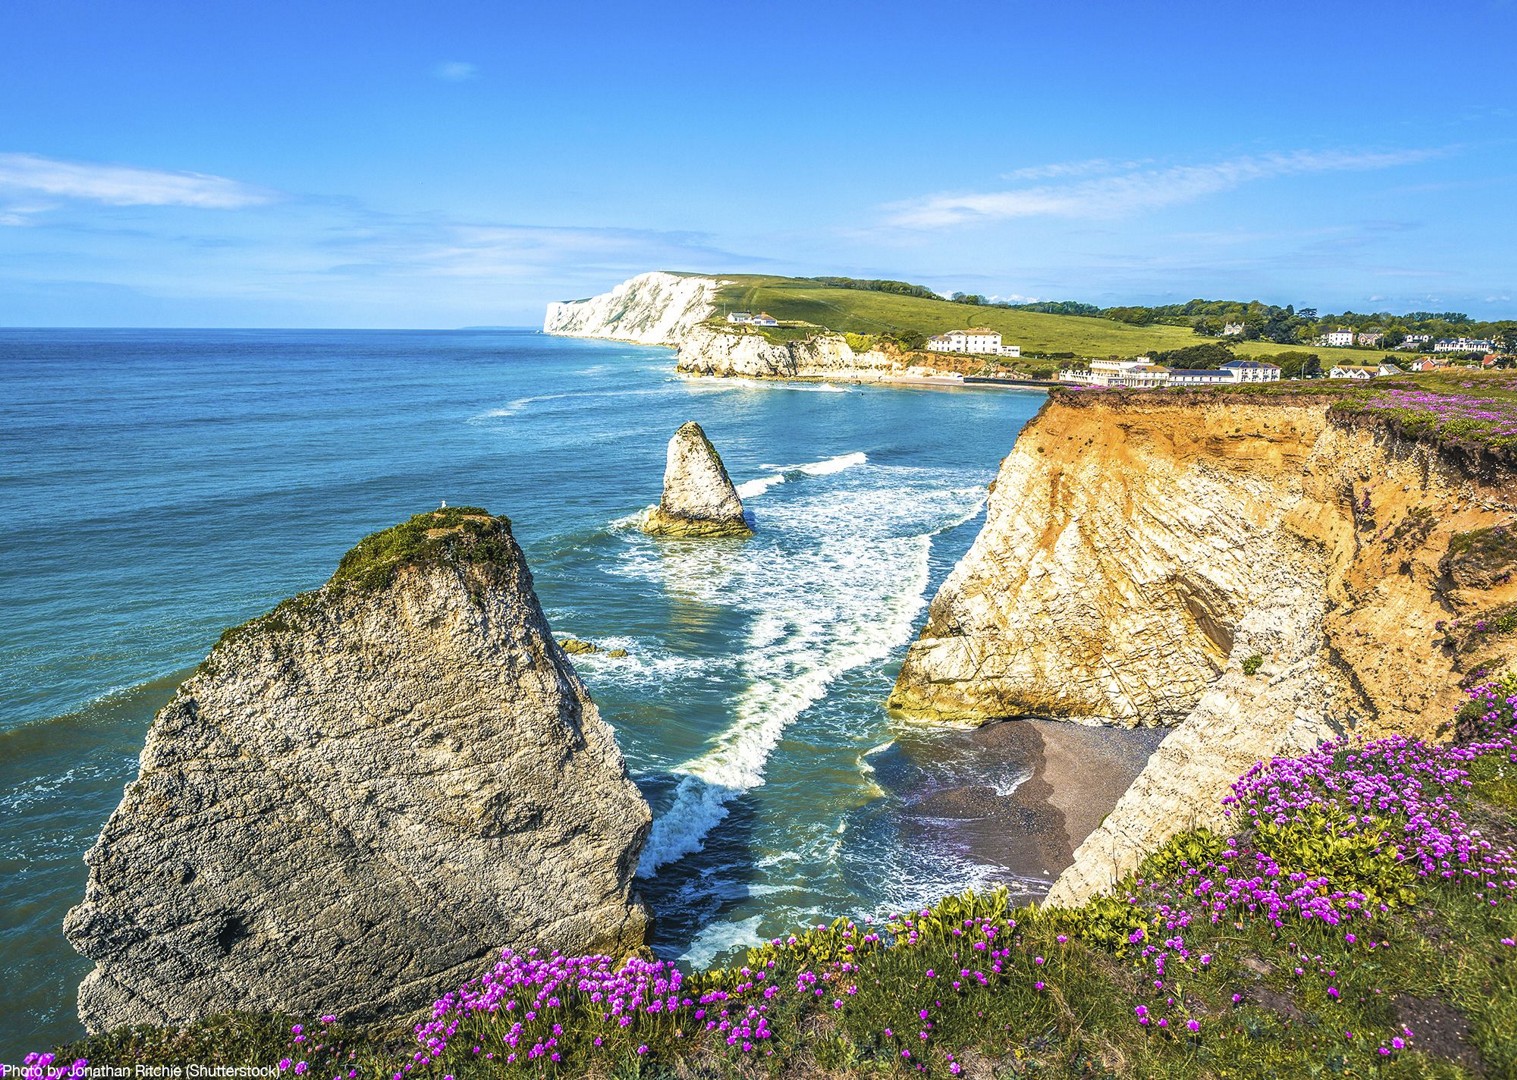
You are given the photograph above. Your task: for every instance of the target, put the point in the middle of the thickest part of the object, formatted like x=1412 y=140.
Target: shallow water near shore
x=159 y=486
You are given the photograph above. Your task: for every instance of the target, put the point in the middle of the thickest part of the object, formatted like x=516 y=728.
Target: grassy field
x=862 y=312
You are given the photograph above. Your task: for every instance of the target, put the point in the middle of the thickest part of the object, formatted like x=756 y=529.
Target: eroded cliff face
x=1138 y=549
x=361 y=797
x=708 y=351
x=656 y=308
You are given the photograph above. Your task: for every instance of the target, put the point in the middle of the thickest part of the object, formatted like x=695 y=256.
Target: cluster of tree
x=903 y=288
x=1206 y=357
x=905 y=340
x=1290 y=325
x=1059 y=307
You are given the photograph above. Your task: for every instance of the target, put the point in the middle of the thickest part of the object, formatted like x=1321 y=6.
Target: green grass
x=463 y=532
x=863 y=312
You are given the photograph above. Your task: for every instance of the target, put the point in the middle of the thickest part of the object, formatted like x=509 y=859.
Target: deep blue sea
x=159 y=486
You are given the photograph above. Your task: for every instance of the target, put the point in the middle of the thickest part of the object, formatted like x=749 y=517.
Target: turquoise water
x=158 y=486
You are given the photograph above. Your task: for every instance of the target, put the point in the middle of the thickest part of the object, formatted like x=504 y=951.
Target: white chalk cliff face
x=1138 y=549
x=361 y=797
x=699 y=498
x=671 y=309
x=656 y=308
x=707 y=351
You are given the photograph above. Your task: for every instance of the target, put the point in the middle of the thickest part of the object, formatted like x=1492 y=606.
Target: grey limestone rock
x=360 y=797
x=699 y=499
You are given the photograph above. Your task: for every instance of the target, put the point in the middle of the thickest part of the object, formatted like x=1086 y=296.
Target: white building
x=1352 y=371
x=763 y=318
x=1011 y=350
x=1141 y=374
x=739 y=318
x=1232 y=329
x=1338 y=339
x=1199 y=377
x=980 y=340
x=1131 y=374
x=1412 y=341
x=1252 y=371
x=1463 y=344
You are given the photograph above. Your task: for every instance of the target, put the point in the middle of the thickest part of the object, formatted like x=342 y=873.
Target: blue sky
x=241 y=163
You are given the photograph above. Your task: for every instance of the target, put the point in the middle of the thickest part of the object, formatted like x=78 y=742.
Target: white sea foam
x=633 y=520
x=719 y=938
x=842 y=594
x=752 y=489
x=832 y=464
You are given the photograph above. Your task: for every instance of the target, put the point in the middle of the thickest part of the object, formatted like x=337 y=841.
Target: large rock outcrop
x=1138 y=549
x=656 y=308
x=706 y=350
x=359 y=798
x=699 y=499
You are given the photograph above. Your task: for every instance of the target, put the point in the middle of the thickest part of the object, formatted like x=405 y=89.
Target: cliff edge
x=1259 y=571
x=361 y=797
x=655 y=308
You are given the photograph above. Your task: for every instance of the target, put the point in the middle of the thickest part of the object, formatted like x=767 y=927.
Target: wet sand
x=1017 y=797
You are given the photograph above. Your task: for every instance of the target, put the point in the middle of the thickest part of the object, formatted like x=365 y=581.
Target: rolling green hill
x=864 y=312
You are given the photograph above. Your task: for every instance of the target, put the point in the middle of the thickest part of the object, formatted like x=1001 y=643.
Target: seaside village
x=1141 y=373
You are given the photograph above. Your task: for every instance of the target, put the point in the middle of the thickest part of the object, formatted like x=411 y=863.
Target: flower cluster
x=47 y=1067
x=1446 y=414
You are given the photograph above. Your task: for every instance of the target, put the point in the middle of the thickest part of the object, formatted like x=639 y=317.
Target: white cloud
x=123 y=185
x=455 y=71
x=1061 y=169
x=1132 y=190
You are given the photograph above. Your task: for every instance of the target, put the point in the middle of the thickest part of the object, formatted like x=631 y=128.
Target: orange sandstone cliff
x=1140 y=551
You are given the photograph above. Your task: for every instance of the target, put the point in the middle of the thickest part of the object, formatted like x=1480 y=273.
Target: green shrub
x=1353 y=852
x=1188 y=850
x=1252 y=664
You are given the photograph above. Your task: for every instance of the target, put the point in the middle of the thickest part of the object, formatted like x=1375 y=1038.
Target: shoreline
x=915 y=382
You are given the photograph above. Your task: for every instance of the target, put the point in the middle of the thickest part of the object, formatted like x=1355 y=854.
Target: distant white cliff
x=656 y=308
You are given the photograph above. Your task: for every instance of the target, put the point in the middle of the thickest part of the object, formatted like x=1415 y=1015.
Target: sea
x=158 y=486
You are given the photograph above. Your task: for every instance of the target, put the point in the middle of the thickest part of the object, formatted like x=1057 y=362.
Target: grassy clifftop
x=861 y=311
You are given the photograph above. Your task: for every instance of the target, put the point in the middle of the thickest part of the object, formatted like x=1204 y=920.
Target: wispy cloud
x=1060 y=170
x=1133 y=189
x=455 y=71
x=122 y=185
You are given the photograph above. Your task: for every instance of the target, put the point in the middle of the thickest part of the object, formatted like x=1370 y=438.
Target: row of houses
x=977 y=340
x=1141 y=374
x=1342 y=339
x=1364 y=371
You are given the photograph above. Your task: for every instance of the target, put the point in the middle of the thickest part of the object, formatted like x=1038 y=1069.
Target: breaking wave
x=828 y=589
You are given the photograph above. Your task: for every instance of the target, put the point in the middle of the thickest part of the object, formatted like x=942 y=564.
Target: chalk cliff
x=671 y=309
x=359 y=798
x=699 y=499
x=1139 y=549
x=709 y=351
x=656 y=308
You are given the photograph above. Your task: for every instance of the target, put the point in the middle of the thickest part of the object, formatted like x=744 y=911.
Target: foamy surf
x=846 y=600
x=752 y=489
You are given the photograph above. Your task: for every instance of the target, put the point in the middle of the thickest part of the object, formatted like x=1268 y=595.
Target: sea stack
x=361 y=797
x=699 y=499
